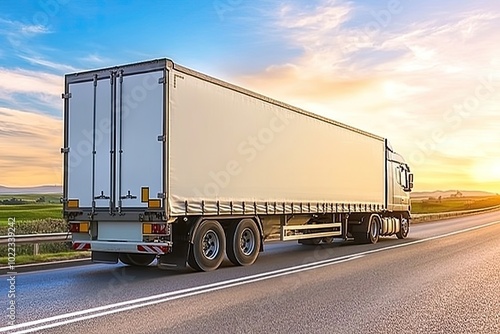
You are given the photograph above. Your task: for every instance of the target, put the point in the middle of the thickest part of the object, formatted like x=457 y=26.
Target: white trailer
x=163 y=162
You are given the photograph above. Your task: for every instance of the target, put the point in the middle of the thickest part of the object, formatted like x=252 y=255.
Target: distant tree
x=40 y=199
x=14 y=201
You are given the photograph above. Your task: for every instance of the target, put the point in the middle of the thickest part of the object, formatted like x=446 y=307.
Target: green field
x=28 y=208
x=23 y=212
x=453 y=204
x=49 y=198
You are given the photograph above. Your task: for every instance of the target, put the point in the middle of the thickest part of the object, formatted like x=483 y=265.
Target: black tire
x=372 y=233
x=207 y=251
x=374 y=229
x=137 y=260
x=243 y=243
x=405 y=228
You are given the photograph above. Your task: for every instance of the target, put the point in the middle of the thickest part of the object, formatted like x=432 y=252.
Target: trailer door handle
x=128 y=196
x=101 y=196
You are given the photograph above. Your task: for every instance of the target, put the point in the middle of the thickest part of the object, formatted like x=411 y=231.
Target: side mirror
x=410 y=183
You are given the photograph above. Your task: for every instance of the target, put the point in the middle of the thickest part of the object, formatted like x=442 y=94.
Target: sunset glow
x=486 y=171
x=425 y=75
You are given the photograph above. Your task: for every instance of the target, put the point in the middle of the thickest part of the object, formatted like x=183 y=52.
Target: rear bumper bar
x=158 y=248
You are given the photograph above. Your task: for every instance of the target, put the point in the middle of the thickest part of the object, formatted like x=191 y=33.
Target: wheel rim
x=211 y=245
x=404 y=226
x=247 y=241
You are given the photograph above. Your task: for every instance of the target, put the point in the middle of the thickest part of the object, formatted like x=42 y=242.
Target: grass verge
x=453 y=204
x=26 y=212
x=28 y=259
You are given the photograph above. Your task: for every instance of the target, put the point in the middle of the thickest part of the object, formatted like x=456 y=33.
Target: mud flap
x=177 y=258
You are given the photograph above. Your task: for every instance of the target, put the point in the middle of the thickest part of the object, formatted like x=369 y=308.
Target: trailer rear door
x=114 y=122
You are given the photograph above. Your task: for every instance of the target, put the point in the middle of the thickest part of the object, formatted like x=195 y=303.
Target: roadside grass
x=47 y=225
x=27 y=259
x=453 y=204
x=28 y=212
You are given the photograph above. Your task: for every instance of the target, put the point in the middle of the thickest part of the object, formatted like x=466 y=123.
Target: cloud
x=17 y=34
x=94 y=59
x=52 y=65
x=31 y=89
x=431 y=86
x=33 y=29
x=26 y=81
x=16 y=27
x=30 y=150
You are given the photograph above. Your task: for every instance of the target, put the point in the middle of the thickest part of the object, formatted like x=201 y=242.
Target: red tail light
x=154 y=228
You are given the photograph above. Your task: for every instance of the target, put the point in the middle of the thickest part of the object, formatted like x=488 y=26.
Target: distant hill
x=449 y=193
x=30 y=190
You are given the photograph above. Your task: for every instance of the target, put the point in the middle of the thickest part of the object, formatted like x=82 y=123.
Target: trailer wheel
x=207 y=251
x=405 y=228
x=243 y=243
x=137 y=260
x=372 y=233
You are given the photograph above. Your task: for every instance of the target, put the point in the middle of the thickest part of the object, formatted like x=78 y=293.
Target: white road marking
x=59 y=320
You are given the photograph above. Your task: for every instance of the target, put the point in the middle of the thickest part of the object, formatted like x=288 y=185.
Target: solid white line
x=194 y=293
x=173 y=293
x=161 y=298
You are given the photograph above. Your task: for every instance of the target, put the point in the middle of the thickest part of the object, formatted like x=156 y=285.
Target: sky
x=425 y=75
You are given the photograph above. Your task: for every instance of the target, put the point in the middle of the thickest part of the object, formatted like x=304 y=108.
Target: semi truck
x=165 y=163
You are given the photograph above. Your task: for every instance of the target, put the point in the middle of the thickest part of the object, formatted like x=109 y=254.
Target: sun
x=487 y=170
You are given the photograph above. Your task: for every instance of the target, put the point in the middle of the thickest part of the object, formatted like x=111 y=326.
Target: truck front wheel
x=207 y=251
x=372 y=233
x=404 y=229
x=137 y=260
x=243 y=243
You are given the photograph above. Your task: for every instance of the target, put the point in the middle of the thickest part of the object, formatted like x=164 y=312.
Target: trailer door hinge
x=161 y=195
x=64 y=149
x=162 y=138
x=161 y=80
x=66 y=96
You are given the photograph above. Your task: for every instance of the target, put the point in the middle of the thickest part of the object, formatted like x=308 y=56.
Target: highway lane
x=427 y=286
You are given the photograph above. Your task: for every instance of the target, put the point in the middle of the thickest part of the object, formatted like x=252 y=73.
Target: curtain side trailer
x=163 y=162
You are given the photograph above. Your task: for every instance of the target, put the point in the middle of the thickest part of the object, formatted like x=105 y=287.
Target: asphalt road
x=445 y=278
